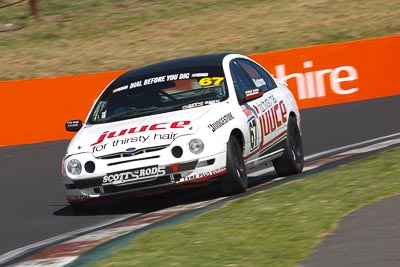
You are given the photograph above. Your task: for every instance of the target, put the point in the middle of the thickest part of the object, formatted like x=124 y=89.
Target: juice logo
x=312 y=84
x=143 y=128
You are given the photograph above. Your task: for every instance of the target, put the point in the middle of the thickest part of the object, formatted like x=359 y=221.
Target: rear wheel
x=235 y=180
x=292 y=160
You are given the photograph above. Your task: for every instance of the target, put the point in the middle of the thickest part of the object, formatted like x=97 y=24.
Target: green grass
x=91 y=36
x=276 y=227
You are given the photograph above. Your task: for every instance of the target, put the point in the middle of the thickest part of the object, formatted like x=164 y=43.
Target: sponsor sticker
x=120 y=88
x=259 y=82
x=203 y=174
x=252 y=123
x=140 y=129
x=157 y=79
x=77 y=197
x=273 y=117
x=193 y=105
x=200 y=104
x=211 y=81
x=252 y=92
x=133 y=175
x=197 y=75
x=221 y=122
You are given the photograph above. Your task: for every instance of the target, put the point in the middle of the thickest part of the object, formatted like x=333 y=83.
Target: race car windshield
x=161 y=93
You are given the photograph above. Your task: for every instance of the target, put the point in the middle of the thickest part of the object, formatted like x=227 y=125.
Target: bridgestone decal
x=221 y=122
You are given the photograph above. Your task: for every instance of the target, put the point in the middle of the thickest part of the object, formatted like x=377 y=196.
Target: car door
x=243 y=83
x=268 y=119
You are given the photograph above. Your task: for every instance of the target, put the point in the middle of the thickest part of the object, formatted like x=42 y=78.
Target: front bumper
x=151 y=177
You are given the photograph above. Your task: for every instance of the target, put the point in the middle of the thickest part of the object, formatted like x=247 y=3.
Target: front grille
x=88 y=183
x=131 y=160
x=126 y=154
x=162 y=180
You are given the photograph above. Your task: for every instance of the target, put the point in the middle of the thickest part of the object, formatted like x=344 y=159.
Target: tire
x=292 y=160
x=235 y=180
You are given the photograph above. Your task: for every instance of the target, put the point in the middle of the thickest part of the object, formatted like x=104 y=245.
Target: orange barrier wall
x=338 y=73
x=36 y=110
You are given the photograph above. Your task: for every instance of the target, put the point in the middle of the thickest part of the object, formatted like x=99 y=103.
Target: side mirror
x=73 y=126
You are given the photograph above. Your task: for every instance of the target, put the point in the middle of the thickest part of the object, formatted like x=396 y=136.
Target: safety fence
x=36 y=110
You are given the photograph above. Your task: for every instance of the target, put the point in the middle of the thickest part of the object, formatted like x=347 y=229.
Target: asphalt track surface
x=369 y=236
x=32 y=201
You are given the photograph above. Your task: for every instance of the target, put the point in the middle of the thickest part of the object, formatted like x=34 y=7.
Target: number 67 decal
x=253 y=134
x=210 y=81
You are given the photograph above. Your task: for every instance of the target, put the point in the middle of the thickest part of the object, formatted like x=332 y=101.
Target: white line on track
x=352 y=146
x=371 y=146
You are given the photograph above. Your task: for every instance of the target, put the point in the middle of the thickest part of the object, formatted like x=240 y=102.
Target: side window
x=270 y=82
x=258 y=80
x=259 y=76
x=240 y=80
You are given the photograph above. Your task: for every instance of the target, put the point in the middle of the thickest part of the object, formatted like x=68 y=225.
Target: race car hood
x=133 y=134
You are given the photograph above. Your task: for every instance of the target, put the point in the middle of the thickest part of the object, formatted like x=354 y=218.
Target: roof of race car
x=212 y=60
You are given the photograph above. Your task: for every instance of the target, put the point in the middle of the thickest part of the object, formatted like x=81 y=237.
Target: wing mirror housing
x=73 y=125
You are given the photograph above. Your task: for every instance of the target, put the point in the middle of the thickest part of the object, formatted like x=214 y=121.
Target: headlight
x=196 y=146
x=74 y=167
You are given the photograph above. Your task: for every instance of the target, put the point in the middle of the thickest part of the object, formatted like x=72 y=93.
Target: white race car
x=181 y=123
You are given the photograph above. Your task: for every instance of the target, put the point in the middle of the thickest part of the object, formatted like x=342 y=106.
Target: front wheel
x=235 y=180
x=292 y=160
